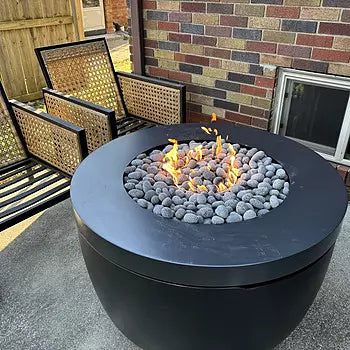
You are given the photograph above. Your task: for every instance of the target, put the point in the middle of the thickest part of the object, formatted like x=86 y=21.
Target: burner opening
x=206 y=182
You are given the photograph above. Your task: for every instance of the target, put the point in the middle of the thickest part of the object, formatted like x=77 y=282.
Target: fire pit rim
x=185 y=253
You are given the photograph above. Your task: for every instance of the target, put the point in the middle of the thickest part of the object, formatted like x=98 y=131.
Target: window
x=314 y=109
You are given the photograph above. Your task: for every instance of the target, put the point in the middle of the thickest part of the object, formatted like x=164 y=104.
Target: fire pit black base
x=157 y=315
x=172 y=285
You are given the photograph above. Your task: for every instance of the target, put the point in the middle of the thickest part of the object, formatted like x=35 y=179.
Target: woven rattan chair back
x=152 y=100
x=11 y=146
x=83 y=69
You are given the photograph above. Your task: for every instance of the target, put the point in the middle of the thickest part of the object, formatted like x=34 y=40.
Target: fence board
x=27 y=24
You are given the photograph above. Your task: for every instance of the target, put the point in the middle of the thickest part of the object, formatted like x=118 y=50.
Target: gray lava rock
x=231 y=203
x=137 y=162
x=256 y=203
x=167 y=213
x=258 y=177
x=242 y=207
x=177 y=200
x=155 y=199
x=252 y=183
x=180 y=193
x=281 y=173
x=157 y=157
x=247 y=197
x=129 y=186
x=278 y=184
x=222 y=211
x=160 y=184
x=249 y=214
x=217 y=203
x=206 y=212
x=162 y=196
x=217 y=220
x=129 y=169
x=146 y=186
x=228 y=195
x=158 y=209
x=142 y=203
x=159 y=177
x=211 y=199
x=149 y=194
x=262 y=191
x=262 y=212
x=274 y=201
x=251 y=152
x=190 y=218
x=234 y=217
x=152 y=170
x=136 y=193
x=201 y=199
x=167 y=202
x=258 y=156
x=136 y=175
x=180 y=213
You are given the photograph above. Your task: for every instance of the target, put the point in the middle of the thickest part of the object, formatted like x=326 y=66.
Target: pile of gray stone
x=261 y=183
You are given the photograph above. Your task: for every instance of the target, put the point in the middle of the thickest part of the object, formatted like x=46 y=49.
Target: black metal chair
x=85 y=70
x=38 y=155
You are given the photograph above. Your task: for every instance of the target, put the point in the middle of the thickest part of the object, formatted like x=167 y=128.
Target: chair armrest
x=98 y=122
x=159 y=101
x=55 y=141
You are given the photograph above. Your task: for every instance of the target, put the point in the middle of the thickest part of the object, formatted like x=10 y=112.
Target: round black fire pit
x=167 y=284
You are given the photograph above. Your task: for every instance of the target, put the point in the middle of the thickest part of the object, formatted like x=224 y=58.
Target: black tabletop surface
x=279 y=243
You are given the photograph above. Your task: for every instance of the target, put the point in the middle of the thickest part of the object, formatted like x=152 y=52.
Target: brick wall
x=115 y=11
x=227 y=52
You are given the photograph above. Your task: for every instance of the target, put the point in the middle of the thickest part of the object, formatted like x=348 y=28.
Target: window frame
x=324 y=80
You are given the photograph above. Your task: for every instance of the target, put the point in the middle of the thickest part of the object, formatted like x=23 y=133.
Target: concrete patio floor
x=47 y=301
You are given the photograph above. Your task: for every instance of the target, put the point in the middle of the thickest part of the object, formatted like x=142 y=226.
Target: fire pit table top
x=287 y=239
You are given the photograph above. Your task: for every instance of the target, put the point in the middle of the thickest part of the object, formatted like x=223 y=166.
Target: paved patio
x=47 y=300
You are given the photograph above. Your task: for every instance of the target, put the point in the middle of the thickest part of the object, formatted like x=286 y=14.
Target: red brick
x=219 y=8
x=180 y=57
x=158 y=72
x=204 y=40
x=192 y=7
x=180 y=17
x=151 y=43
x=238 y=118
x=282 y=11
x=342 y=171
x=180 y=76
x=256 y=112
x=334 y=28
x=170 y=26
x=331 y=55
x=345 y=17
x=220 y=53
x=315 y=40
x=260 y=123
x=265 y=82
x=258 y=46
x=149 y=5
x=294 y=51
x=180 y=38
x=233 y=21
x=194 y=117
x=251 y=90
x=203 y=61
x=218 y=31
x=314 y=66
x=213 y=62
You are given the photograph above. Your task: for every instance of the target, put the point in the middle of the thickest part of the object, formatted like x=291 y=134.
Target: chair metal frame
x=18 y=180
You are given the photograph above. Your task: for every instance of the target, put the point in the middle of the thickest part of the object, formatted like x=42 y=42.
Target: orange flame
x=206 y=130
x=213 y=117
x=170 y=161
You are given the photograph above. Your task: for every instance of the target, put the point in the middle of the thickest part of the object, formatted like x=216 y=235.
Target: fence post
x=137 y=36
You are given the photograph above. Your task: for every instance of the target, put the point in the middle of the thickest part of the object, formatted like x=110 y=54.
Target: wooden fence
x=26 y=24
